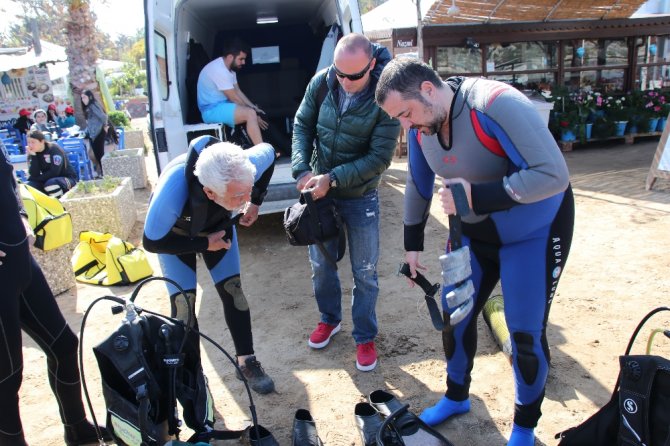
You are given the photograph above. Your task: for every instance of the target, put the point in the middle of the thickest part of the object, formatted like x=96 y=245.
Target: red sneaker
x=320 y=337
x=366 y=356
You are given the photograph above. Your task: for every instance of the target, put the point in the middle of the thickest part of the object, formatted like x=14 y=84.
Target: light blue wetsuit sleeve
x=166 y=203
x=542 y=170
x=262 y=156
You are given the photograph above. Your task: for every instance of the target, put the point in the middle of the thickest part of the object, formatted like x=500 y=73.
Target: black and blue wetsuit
x=178 y=221
x=519 y=233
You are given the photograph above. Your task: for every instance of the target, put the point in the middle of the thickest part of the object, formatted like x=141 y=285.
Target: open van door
x=165 y=116
x=287 y=40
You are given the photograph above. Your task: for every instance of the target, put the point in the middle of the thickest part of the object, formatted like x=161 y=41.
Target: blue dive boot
x=521 y=436
x=444 y=409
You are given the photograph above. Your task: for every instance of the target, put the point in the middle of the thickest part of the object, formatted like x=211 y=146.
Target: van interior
x=285 y=38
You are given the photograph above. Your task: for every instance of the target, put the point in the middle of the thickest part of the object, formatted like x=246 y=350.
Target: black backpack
x=639 y=411
x=146 y=365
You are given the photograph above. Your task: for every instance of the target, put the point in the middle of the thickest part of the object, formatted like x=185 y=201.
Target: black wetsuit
x=26 y=302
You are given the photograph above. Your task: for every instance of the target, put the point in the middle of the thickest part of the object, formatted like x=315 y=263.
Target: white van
x=290 y=41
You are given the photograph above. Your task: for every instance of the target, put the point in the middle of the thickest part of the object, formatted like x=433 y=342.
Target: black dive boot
x=83 y=433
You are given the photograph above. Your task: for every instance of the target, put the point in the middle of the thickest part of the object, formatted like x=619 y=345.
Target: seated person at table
x=40 y=120
x=24 y=122
x=49 y=168
x=52 y=115
x=67 y=120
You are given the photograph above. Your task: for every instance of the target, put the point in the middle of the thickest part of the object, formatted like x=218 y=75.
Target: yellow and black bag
x=51 y=223
x=103 y=259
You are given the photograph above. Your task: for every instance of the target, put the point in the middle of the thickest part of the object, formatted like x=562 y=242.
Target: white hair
x=223 y=163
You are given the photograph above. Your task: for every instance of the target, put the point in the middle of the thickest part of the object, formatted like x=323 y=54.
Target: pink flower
x=599 y=101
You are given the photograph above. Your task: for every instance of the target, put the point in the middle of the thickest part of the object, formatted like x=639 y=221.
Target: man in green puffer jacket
x=342 y=142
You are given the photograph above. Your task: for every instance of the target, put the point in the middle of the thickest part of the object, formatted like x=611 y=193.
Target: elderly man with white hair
x=199 y=197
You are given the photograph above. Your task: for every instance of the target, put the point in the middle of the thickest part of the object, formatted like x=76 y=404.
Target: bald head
x=353 y=43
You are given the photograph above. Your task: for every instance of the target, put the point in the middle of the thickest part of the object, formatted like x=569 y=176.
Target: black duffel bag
x=310 y=222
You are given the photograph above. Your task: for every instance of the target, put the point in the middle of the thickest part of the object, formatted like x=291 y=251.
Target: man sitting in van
x=220 y=98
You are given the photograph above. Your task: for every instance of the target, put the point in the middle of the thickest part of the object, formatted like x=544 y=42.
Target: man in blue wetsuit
x=488 y=137
x=192 y=211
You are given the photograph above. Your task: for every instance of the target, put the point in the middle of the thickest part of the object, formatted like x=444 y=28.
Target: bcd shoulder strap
x=642 y=379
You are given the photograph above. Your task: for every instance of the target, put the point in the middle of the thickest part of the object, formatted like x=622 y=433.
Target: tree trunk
x=82 y=54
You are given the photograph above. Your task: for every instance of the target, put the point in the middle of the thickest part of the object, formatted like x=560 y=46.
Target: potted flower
x=653 y=102
x=106 y=205
x=599 y=106
x=665 y=111
x=617 y=111
x=586 y=108
x=568 y=124
x=638 y=122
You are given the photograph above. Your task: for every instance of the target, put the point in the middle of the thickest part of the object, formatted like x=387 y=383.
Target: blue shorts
x=222 y=112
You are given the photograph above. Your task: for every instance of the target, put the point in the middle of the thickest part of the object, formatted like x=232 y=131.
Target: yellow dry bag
x=51 y=224
x=102 y=259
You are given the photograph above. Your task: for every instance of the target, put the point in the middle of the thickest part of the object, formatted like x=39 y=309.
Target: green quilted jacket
x=357 y=146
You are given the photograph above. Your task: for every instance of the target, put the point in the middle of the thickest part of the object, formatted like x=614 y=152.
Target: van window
x=160 y=47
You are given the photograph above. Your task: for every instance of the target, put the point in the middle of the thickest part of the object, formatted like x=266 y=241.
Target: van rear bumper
x=279 y=197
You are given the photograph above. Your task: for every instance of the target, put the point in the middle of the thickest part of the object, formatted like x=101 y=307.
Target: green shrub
x=119 y=119
x=103 y=186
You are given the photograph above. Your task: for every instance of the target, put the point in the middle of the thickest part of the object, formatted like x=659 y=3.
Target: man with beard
x=488 y=137
x=220 y=98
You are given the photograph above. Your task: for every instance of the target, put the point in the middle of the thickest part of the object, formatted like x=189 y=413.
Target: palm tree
x=82 y=52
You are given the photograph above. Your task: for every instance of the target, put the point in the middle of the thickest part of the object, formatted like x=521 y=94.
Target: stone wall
x=126 y=163
x=114 y=212
x=56 y=266
x=134 y=139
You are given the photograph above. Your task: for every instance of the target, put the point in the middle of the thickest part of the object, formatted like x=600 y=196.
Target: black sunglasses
x=355 y=76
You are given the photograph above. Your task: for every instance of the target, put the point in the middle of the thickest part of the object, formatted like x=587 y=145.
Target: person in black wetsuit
x=26 y=302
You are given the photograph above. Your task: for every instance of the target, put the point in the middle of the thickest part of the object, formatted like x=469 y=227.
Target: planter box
x=57 y=267
x=134 y=139
x=103 y=212
x=126 y=163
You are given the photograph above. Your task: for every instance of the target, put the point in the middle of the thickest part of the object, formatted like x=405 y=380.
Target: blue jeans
x=361 y=218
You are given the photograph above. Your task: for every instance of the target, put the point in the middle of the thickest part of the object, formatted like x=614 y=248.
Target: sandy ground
x=616 y=273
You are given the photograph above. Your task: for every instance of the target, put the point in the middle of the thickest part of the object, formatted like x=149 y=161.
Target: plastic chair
x=21 y=175
x=18 y=159
x=12 y=149
x=73 y=157
x=76 y=147
x=13 y=135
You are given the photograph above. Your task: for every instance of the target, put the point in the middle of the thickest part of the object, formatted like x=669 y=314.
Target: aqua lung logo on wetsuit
x=557 y=255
